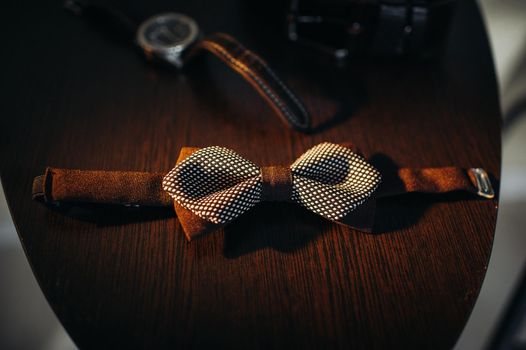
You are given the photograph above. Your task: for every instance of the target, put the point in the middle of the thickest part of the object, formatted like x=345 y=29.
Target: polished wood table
x=279 y=277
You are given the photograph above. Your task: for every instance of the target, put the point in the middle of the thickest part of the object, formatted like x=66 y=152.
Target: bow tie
x=213 y=186
x=218 y=185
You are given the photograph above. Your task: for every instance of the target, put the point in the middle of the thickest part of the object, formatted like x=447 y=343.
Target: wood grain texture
x=279 y=277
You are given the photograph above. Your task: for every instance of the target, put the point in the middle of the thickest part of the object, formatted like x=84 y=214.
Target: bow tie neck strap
x=130 y=188
x=145 y=189
x=436 y=180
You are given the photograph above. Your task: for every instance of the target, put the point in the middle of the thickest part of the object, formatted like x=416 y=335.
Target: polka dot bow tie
x=217 y=185
x=211 y=187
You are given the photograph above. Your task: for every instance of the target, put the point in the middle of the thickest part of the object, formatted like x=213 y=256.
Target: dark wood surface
x=279 y=277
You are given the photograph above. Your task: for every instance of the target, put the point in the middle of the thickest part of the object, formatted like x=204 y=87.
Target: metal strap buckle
x=483 y=183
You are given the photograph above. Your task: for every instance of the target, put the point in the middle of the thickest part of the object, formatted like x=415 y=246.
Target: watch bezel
x=169 y=53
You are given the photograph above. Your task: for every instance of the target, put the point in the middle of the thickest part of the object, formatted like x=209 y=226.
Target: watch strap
x=256 y=71
x=108 y=18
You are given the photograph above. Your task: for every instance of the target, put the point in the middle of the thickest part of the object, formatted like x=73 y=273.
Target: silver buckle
x=483 y=183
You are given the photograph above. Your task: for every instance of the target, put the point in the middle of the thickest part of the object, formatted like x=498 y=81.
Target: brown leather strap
x=140 y=188
x=113 y=187
x=427 y=180
x=258 y=73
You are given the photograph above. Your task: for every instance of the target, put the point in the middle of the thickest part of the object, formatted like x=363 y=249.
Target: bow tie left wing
x=215 y=183
x=332 y=181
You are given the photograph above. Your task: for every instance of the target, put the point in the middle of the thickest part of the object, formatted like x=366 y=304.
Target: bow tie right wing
x=332 y=181
x=215 y=183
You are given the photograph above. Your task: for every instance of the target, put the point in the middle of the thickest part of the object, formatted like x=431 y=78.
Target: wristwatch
x=174 y=39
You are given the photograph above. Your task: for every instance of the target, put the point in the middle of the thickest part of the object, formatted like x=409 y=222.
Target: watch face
x=168 y=33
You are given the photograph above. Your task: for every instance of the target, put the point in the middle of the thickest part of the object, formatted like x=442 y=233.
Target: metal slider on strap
x=483 y=183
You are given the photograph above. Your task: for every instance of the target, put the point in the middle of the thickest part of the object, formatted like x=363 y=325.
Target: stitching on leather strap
x=290 y=117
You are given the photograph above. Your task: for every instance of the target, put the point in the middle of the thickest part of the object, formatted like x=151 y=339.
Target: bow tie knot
x=276 y=183
x=219 y=185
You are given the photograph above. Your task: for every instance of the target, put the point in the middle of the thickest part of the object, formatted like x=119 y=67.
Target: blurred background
x=499 y=317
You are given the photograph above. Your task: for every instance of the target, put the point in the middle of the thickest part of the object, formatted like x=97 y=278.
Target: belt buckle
x=483 y=183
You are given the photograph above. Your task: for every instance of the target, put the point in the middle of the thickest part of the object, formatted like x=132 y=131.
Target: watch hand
x=169 y=34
